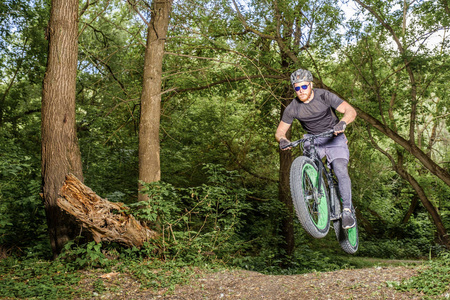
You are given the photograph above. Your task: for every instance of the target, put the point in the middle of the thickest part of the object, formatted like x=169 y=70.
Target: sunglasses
x=303 y=87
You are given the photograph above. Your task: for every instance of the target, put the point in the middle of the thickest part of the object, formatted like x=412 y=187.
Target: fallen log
x=105 y=220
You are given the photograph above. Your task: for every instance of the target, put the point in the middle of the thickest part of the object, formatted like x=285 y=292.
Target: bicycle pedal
x=335 y=217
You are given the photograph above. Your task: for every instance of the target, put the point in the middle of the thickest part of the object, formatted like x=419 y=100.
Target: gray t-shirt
x=318 y=115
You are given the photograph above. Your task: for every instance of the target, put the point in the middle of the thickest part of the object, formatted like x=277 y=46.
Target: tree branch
x=407 y=145
x=93 y=19
x=412 y=117
x=133 y=5
x=277 y=38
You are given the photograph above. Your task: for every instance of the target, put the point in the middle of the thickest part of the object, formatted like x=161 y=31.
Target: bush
x=197 y=223
x=23 y=225
x=395 y=249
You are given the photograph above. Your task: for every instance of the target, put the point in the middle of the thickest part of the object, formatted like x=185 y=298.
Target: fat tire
x=303 y=180
x=348 y=238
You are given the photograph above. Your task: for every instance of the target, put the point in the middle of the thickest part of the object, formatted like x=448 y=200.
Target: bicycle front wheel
x=311 y=205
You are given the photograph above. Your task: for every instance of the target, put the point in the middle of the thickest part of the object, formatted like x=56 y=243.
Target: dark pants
x=338 y=155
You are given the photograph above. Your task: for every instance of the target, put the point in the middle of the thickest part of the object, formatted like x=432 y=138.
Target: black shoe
x=348 y=220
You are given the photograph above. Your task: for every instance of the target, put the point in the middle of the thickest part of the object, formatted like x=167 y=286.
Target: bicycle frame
x=314 y=156
x=313 y=208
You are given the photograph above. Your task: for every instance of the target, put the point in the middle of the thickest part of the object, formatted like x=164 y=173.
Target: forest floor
x=366 y=283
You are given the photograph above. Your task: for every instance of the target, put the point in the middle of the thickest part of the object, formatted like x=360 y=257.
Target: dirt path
x=368 y=283
x=343 y=284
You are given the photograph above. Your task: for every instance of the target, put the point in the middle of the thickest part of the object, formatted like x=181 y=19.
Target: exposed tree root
x=105 y=220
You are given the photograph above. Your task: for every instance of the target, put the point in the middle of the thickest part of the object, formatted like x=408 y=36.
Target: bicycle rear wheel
x=348 y=238
x=311 y=206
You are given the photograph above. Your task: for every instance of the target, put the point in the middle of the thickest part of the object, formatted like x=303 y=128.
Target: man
x=315 y=109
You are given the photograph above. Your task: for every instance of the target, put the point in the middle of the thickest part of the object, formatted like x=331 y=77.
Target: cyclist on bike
x=315 y=109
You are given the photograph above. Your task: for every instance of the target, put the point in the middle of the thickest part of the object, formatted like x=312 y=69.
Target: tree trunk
x=285 y=198
x=412 y=208
x=60 y=152
x=149 y=162
x=284 y=194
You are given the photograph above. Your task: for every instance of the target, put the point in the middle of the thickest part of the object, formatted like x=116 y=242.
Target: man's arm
x=282 y=130
x=348 y=111
x=349 y=115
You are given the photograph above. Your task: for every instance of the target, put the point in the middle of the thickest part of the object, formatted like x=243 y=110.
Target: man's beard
x=305 y=96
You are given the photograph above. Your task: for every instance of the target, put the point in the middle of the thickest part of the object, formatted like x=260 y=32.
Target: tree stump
x=106 y=220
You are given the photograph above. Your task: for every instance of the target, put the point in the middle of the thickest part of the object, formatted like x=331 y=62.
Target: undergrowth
x=33 y=278
x=63 y=278
x=433 y=278
x=201 y=228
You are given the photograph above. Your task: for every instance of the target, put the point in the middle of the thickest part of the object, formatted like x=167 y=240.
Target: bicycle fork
x=335 y=213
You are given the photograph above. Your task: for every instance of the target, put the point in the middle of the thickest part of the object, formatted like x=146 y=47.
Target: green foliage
x=433 y=278
x=84 y=256
x=99 y=286
x=22 y=216
x=223 y=89
x=22 y=64
x=197 y=223
x=156 y=274
x=395 y=249
x=162 y=203
x=37 y=279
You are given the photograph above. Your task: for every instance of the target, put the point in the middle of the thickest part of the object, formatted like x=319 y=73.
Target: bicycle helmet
x=301 y=75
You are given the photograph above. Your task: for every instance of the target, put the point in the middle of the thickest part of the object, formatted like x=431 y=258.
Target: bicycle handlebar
x=328 y=133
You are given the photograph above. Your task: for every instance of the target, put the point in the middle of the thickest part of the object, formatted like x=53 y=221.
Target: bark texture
x=149 y=154
x=106 y=221
x=60 y=152
x=284 y=191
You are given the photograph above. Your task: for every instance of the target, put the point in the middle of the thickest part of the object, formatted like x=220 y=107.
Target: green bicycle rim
x=352 y=236
x=322 y=208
